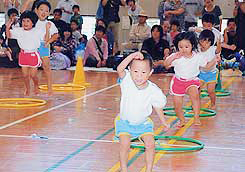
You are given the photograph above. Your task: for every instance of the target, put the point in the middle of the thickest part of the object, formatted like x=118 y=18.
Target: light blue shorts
x=208 y=77
x=44 y=51
x=123 y=127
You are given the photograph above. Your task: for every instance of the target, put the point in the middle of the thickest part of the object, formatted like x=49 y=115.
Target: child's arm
x=53 y=38
x=160 y=113
x=26 y=5
x=47 y=34
x=167 y=63
x=8 y=25
x=122 y=66
x=218 y=48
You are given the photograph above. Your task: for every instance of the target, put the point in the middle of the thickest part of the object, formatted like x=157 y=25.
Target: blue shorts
x=123 y=127
x=208 y=77
x=44 y=51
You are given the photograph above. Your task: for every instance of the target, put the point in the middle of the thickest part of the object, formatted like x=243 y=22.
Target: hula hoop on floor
x=21 y=102
x=219 y=93
x=63 y=87
x=165 y=147
x=169 y=111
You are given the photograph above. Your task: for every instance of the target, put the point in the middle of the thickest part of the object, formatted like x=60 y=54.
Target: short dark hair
x=75 y=6
x=58 y=10
x=230 y=20
x=30 y=15
x=175 y=22
x=97 y=21
x=12 y=11
x=159 y=28
x=191 y=36
x=147 y=57
x=100 y=29
x=207 y=35
x=208 y=18
x=75 y=21
x=43 y=3
x=127 y=1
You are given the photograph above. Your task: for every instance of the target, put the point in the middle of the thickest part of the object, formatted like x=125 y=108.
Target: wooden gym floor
x=79 y=124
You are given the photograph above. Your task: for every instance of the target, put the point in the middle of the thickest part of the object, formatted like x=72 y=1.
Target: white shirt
x=28 y=40
x=67 y=5
x=42 y=26
x=139 y=33
x=136 y=104
x=209 y=55
x=188 y=68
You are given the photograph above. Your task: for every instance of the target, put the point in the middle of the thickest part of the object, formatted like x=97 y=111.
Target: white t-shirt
x=67 y=5
x=28 y=40
x=188 y=68
x=136 y=104
x=209 y=55
x=41 y=25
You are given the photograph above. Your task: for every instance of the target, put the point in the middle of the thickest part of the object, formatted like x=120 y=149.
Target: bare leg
x=149 y=151
x=178 y=103
x=212 y=94
x=26 y=75
x=124 y=150
x=9 y=55
x=47 y=70
x=34 y=78
x=195 y=99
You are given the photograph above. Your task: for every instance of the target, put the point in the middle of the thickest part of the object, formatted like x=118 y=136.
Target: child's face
x=99 y=34
x=75 y=10
x=67 y=34
x=140 y=72
x=57 y=16
x=174 y=28
x=13 y=16
x=42 y=12
x=165 y=26
x=27 y=24
x=205 y=45
x=185 y=47
x=207 y=25
x=74 y=26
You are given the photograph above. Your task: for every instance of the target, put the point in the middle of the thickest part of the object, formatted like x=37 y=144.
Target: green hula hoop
x=219 y=93
x=208 y=113
x=199 y=144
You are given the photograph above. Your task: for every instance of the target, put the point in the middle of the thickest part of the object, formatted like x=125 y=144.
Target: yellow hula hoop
x=21 y=102
x=63 y=87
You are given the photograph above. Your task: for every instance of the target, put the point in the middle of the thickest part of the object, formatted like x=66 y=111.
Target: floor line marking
x=55 y=107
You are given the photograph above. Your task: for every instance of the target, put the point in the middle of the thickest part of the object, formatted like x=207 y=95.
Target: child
x=133 y=121
x=186 y=63
x=28 y=39
x=206 y=41
x=174 y=29
x=77 y=17
x=4 y=49
x=42 y=10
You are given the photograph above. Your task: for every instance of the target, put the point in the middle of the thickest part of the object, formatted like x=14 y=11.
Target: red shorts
x=179 y=86
x=29 y=59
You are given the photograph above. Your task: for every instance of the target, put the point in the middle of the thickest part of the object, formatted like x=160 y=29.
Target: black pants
x=91 y=62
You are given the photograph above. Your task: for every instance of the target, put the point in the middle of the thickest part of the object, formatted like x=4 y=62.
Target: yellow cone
x=79 y=76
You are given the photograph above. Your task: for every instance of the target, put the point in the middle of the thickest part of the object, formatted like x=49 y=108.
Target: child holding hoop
x=28 y=38
x=186 y=63
x=139 y=97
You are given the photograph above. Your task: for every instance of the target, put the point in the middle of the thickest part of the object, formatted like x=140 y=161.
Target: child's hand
x=48 y=26
x=218 y=58
x=166 y=127
x=137 y=55
x=9 y=23
x=233 y=47
x=177 y=55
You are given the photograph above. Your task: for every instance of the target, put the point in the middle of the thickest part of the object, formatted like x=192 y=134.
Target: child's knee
x=150 y=145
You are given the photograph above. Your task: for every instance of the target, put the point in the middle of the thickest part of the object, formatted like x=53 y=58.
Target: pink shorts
x=29 y=59
x=179 y=86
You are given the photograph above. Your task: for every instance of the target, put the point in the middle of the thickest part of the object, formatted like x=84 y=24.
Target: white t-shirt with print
x=209 y=55
x=136 y=104
x=42 y=26
x=28 y=40
x=188 y=68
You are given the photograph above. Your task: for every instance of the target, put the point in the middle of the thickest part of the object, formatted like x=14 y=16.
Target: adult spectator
x=96 y=52
x=166 y=28
x=157 y=47
x=174 y=10
x=77 y=17
x=8 y=4
x=66 y=7
x=138 y=33
x=111 y=17
x=134 y=10
x=193 y=9
x=57 y=13
x=160 y=11
x=230 y=39
x=240 y=22
x=211 y=8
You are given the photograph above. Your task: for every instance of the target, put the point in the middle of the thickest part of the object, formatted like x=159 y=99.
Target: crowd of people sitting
x=175 y=16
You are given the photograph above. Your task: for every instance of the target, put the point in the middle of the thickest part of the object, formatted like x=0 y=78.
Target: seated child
x=4 y=49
